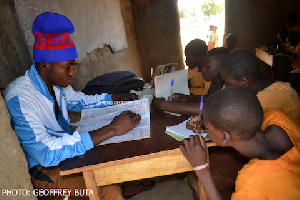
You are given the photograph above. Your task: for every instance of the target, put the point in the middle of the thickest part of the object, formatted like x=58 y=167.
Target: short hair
x=235 y=110
x=231 y=40
x=241 y=63
x=196 y=48
x=282 y=34
x=218 y=53
x=293 y=38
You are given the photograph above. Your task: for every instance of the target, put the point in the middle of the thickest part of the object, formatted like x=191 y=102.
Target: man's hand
x=124 y=97
x=125 y=122
x=196 y=125
x=195 y=150
x=120 y=125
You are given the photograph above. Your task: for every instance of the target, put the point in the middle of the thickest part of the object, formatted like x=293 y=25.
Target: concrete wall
x=103 y=60
x=256 y=22
x=13 y=165
x=91 y=31
x=14 y=55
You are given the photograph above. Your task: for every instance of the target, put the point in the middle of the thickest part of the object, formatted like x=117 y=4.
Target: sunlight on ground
x=198 y=25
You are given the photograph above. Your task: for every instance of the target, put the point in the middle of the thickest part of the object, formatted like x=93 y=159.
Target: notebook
x=180 y=132
x=163 y=84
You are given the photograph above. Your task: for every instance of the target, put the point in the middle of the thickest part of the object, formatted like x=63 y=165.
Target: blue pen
x=172 y=83
x=201 y=107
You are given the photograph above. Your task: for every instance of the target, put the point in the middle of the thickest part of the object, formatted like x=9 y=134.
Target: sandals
x=143 y=187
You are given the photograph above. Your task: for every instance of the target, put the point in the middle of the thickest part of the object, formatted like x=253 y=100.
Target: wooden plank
x=141 y=167
x=90 y=183
x=264 y=56
x=107 y=164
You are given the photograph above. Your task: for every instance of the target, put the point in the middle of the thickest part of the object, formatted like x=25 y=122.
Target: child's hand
x=195 y=150
x=196 y=125
x=179 y=97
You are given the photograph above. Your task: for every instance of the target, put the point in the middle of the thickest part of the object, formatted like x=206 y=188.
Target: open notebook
x=95 y=118
x=180 y=132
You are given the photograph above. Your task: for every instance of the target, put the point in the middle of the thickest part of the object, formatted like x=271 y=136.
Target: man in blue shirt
x=39 y=101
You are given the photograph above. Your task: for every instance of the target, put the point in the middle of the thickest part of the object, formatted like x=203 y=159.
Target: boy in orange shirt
x=189 y=104
x=234 y=118
x=241 y=68
x=195 y=52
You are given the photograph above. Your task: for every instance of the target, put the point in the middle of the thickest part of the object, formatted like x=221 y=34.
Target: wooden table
x=280 y=63
x=133 y=160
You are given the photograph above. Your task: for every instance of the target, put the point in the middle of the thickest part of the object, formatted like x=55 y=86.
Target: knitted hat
x=52 y=41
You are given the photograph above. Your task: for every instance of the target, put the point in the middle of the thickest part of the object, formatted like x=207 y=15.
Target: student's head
x=215 y=28
x=291 y=20
x=53 y=50
x=240 y=68
x=293 y=38
x=282 y=35
x=195 y=51
x=212 y=63
x=231 y=40
x=233 y=113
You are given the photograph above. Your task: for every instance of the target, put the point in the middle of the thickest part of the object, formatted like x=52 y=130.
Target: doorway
x=203 y=19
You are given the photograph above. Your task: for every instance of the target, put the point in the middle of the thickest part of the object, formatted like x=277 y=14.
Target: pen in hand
x=201 y=107
x=172 y=83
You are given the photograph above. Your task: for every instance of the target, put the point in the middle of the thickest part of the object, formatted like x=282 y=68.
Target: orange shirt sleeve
x=246 y=192
x=281 y=95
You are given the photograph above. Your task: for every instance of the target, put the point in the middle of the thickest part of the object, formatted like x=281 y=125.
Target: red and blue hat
x=52 y=41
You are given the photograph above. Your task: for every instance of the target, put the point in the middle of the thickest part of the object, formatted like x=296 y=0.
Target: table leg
x=91 y=184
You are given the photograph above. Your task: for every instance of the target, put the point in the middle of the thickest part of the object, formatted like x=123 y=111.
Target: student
x=39 y=101
x=210 y=36
x=234 y=118
x=195 y=51
x=210 y=72
x=212 y=67
x=293 y=39
x=231 y=40
x=216 y=36
x=241 y=68
x=189 y=105
x=282 y=37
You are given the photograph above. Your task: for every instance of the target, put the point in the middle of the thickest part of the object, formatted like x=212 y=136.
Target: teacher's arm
x=121 y=124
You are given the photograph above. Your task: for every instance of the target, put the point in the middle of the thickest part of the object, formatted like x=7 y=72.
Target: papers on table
x=180 y=132
x=93 y=119
x=163 y=84
x=163 y=69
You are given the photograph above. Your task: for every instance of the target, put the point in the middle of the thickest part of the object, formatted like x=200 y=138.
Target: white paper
x=180 y=129
x=95 y=118
x=163 y=84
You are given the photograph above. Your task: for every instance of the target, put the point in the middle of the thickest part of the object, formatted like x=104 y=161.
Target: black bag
x=116 y=82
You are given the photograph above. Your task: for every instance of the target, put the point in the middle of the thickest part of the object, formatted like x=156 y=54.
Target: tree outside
x=211 y=8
